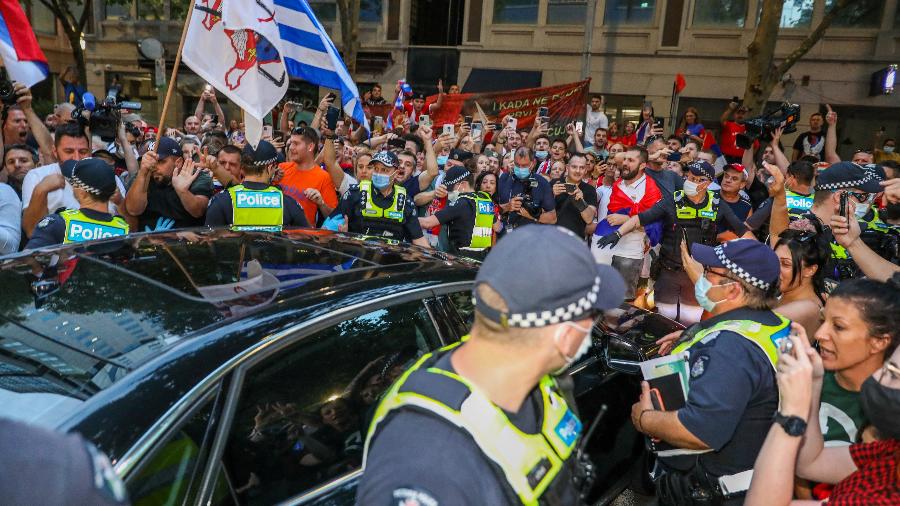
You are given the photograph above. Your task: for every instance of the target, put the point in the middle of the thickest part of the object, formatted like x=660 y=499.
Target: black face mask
x=881 y=404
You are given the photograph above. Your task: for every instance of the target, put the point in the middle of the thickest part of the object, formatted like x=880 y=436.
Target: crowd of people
x=705 y=232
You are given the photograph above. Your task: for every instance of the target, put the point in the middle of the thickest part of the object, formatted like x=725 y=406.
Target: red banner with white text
x=565 y=102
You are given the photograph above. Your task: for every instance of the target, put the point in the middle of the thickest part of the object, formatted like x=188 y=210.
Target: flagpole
x=672 y=106
x=165 y=108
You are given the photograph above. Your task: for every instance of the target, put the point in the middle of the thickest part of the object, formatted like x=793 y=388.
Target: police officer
x=378 y=207
x=852 y=180
x=469 y=215
x=93 y=184
x=695 y=214
x=707 y=448
x=255 y=204
x=484 y=421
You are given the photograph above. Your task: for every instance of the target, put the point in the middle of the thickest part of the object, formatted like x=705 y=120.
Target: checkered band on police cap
x=738 y=270
x=859 y=181
x=569 y=312
x=386 y=157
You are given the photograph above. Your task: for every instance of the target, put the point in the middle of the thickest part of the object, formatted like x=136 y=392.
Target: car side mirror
x=622 y=355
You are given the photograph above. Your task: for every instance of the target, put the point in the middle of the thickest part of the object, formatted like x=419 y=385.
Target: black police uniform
x=219 y=213
x=353 y=203
x=733 y=396
x=459 y=218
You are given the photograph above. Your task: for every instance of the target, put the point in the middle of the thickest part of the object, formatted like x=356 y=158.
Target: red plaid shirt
x=876 y=482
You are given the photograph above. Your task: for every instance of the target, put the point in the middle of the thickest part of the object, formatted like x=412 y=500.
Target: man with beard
x=169 y=191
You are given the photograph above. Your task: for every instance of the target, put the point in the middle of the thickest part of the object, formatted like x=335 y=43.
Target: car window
x=165 y=476
x=465 y=308
x=303 y=413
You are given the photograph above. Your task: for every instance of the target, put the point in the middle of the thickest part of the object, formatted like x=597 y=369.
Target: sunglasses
x=859 y=196
x=707 y=270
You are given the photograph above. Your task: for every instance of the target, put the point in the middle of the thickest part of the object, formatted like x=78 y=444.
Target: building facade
x=631 y=49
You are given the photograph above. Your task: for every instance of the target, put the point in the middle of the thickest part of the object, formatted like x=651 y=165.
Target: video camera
x=103 y=118
x=762 y=127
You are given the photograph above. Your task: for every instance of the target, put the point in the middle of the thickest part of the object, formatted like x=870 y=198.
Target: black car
x=221 y=367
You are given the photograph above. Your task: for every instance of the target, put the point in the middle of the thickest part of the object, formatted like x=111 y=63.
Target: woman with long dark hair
x=803 y=255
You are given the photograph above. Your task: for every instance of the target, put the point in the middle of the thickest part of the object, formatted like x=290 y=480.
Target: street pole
x=591 y=6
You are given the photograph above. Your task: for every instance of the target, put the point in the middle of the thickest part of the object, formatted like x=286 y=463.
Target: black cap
x=460 y=155
x=847 y=175
x=264 y=154
x=167 y=147
x=388 y=158
x=94 y=176
x=454 y=175
x=748 y=259
x=546 y=275
x=418 y=95
x=67 y=167
x=877 y=171
x=702 y=168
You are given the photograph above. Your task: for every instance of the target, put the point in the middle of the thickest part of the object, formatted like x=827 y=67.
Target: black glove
x=608 y=240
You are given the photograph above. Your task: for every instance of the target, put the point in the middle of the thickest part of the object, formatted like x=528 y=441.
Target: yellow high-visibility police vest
x=256 y=209
x=80 y=228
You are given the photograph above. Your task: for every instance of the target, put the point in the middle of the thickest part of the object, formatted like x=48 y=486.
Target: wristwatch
x=793 y=425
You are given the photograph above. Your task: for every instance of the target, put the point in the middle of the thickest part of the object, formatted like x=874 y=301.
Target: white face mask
x=888 y=149
x=452 y=196
x=860 y=210
x=582 y=348
x=690 y=188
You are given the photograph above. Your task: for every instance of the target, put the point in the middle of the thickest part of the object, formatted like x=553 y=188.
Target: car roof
x=75 y=319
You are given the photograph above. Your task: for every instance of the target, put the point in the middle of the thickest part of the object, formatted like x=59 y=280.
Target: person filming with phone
x=576 y=201
x=712 y=441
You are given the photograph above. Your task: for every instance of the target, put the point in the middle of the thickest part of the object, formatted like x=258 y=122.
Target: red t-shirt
x=728 y=139
x=876 y=481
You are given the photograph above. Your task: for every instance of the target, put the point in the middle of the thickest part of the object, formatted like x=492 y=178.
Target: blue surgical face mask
x=701 y=290
x=442 y=160
x=521 y=172
x=381 y=181
x=541 y=155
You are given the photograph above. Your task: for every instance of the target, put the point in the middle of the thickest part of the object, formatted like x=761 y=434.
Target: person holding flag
x=19 y=49
x=633 y=193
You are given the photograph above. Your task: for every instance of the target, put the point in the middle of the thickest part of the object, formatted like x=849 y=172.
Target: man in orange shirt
x=304 y=179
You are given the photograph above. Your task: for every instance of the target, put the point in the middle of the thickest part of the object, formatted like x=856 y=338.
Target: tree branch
x=85 y=15
x=813 y=37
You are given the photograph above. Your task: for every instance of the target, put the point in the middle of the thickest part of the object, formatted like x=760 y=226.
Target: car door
x=298 y=414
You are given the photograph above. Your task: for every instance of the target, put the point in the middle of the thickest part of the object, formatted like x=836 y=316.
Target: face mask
x=582 y=348
x=452 y=196
x=541 y=155
x=860 y=210
x=381 y=181
x=701 y=289
x=888 y=149
x=442 y=160
x=521 y=172
x=603 y=153
x=690 y=188
x=882 y=405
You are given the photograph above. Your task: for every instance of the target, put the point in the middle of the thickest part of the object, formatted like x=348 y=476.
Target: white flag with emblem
x=242 y=64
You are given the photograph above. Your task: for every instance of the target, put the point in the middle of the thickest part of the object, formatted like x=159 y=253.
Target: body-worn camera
x=103 y=118
x=762 y=127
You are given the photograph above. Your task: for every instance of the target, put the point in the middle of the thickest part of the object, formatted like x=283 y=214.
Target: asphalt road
x=629 y=498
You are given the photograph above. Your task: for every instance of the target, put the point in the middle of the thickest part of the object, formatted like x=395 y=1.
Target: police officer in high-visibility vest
x=487 y=421
x=694 y=214
x=255 y=204
x=706 y=449
x=858 y=184
x=799 y=187
x=93 y=184
x=379 y=207
x=469 y=215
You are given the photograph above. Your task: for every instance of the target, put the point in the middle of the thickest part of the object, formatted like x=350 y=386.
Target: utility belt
x=697 y=487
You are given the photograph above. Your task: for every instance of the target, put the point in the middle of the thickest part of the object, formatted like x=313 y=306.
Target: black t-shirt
x=666 y=180
x=809 y=143
x=567 y=215
x=741 y=208
x=459 y=218
x=220 y=212
x=352 y=200
x=52 y=228
x=758 y=192
x=164 y=206
x=419 y=453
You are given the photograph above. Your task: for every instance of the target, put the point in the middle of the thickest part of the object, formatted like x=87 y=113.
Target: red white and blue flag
x=620 y=203
x=24 y=61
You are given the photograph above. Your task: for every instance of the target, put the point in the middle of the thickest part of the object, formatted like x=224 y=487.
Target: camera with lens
x=103 y=118
x=7 y=90
x=762 y=127
x=528 y=203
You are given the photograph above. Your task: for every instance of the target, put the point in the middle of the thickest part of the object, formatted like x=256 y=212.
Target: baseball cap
x=737 y=167
x=418 y=95
x=752 y=261
x=846 y=175
x=264 y=154
x=460 y=155
x=702 y=168
x=388 y=158
x=546 y=276
x=94 y=176
x=167 y=147
x=454 y=175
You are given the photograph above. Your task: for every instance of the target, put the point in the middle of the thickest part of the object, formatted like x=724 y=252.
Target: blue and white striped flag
x=306 y=50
